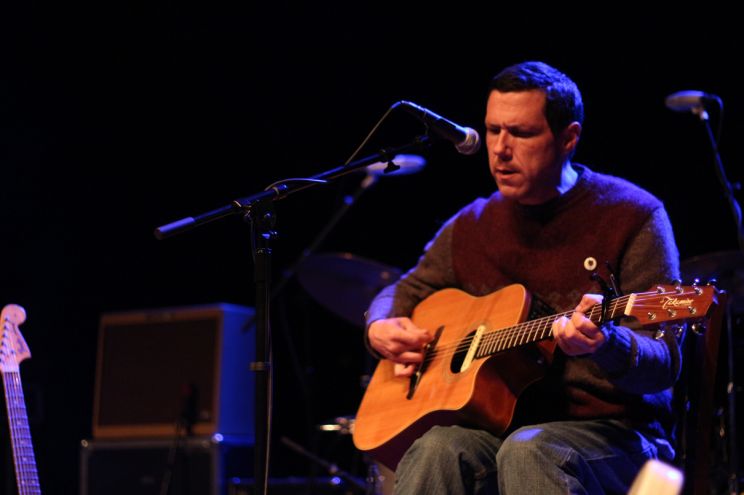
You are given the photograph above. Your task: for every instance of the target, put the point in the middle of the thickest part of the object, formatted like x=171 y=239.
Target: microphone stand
x=728 y=190
x=258 y=211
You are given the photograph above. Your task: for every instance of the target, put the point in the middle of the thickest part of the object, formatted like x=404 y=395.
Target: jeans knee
x=524 y=448
x=439 y=442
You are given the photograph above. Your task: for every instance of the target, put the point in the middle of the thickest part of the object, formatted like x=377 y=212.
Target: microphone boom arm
x=284 y=188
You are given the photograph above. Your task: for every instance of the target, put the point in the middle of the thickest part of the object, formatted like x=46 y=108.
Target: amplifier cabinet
x=156 y=367
x=197 y=466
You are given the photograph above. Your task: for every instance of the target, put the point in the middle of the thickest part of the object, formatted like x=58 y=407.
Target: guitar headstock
x=665 y=303
x=13 y=347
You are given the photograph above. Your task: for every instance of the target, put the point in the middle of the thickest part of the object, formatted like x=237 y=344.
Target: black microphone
x=465 y=139
x=690 y=101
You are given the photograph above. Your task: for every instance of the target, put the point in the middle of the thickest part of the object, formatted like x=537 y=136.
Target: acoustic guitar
x=13 y=350
x=481 y=360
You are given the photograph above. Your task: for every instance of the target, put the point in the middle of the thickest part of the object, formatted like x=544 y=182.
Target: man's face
x=523 y=155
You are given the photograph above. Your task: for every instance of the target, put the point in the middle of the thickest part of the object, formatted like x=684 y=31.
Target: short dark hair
x=563 y=103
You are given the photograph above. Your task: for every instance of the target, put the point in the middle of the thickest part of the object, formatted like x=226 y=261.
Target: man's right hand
x=400 y=341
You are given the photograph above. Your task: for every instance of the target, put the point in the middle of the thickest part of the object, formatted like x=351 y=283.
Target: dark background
x=117 y=117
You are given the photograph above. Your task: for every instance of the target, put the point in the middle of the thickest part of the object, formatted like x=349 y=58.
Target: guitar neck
x=540 y=329
x=20 y=434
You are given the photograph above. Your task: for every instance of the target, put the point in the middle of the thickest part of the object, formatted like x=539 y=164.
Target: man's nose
x=501 y=145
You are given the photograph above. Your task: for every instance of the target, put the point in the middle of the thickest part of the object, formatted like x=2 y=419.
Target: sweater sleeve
x=432 y=272
x=642 y=360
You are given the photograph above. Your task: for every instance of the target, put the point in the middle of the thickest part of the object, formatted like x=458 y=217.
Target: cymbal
x=727 y=267
x=344 y=283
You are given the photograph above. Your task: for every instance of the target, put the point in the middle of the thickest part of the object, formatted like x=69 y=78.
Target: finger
x=577 y=336
x=588 y=301
x=401 y=369
x=410 y=357
x=559 y=327
x=411 y=327
x=568 y=337
x=411 y=340
x=584 y=326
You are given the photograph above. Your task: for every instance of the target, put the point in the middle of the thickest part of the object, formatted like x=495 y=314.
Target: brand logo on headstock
x=674 y=302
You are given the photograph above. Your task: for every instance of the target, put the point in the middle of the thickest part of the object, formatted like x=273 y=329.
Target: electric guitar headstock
x=13 y=347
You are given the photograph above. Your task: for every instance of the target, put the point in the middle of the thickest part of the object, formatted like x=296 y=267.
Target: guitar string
x=500 y=336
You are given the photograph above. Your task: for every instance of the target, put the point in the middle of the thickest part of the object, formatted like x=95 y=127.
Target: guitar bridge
x=428 y=349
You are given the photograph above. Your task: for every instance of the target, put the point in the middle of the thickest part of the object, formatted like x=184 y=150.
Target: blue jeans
x=564 y=457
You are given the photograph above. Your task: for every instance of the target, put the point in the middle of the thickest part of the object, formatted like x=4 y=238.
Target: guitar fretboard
x=539 y=329
x=23 y=449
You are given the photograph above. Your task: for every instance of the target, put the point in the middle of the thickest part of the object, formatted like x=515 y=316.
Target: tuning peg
x=698 y=328
x=677 y=282
x=712 y=281
x=695 y=282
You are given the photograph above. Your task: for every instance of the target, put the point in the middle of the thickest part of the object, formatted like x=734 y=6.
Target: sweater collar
x=559 y=202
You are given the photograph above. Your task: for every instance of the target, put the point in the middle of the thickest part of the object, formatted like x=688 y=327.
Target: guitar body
x=484 y=394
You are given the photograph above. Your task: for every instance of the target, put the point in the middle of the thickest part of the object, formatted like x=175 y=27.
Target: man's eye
x=520 y=133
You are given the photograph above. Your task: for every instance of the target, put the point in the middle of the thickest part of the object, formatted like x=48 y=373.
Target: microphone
x=690 y=101
x=465 y=139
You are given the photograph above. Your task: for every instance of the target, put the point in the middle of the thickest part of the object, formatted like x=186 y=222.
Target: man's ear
x=570 y=137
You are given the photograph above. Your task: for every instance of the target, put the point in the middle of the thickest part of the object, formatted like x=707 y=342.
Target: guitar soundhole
x=461 y=352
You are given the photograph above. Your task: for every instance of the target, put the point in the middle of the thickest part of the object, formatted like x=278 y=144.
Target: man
x=604 y=407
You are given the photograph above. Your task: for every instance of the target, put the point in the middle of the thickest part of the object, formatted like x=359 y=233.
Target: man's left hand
x=579 y=335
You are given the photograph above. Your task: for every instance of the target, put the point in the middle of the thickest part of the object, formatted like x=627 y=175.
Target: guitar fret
x=524 y=338
x=502 y=334
x=521 y=330
x=495 y=342
x=490 y=342
x=503 y=338
x=513 y=332
x=485 y=343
